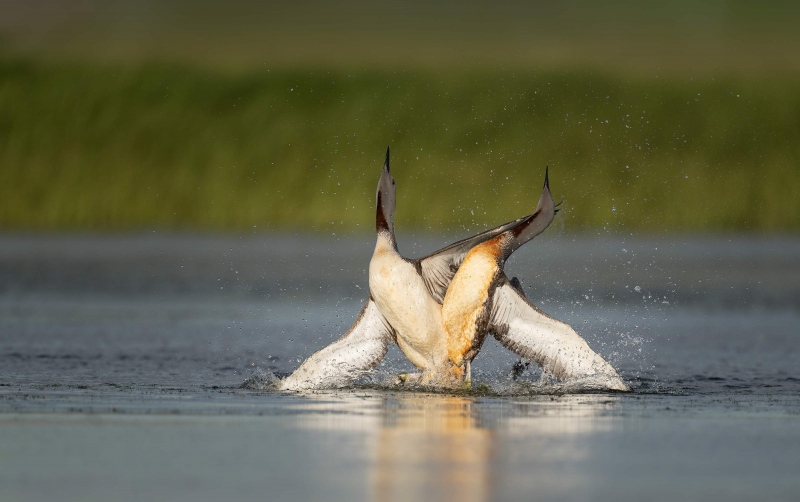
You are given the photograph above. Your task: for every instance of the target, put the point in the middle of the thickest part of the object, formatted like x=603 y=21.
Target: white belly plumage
x=401 y=295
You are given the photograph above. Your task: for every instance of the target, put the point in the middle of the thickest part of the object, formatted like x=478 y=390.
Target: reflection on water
x=434 y=446
x=373 y=445
x=430 y=446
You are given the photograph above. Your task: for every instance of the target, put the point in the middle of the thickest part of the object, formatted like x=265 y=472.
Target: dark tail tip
x=546 y=177
x=386 y=163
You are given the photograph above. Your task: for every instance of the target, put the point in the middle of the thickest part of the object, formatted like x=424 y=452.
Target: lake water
x=123 y=359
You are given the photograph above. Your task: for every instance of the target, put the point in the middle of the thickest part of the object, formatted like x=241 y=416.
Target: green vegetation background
x=116 y=144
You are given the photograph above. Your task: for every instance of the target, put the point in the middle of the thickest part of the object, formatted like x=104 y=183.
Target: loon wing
x=349 y=357
x=439 y=268
x=530 y=333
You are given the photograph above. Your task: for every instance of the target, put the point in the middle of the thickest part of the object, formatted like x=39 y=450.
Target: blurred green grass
x=104 y=146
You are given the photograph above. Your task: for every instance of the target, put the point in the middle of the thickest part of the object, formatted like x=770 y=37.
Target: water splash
x=261 y=380
x=485 y=385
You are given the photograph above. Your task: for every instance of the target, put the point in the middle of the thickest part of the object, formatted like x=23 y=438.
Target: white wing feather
x=530 y=333
x=343 y=361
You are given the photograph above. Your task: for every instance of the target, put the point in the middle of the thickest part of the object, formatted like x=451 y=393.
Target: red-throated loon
x=481 y=300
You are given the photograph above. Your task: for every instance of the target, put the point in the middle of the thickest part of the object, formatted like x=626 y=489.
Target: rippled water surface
x=122 y=361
